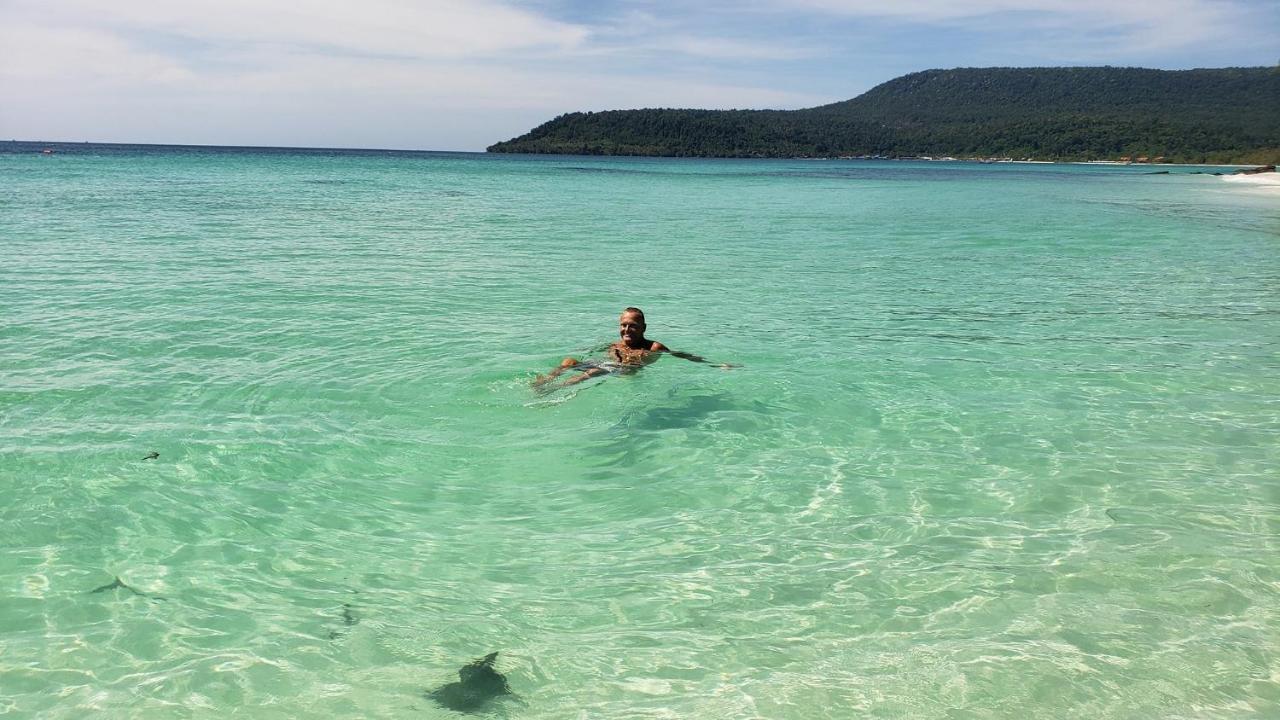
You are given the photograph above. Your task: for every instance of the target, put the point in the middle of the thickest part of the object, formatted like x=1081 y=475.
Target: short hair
x=634 y=310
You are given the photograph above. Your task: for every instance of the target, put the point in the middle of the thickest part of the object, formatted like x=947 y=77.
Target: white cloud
x=724 y=49
x=359 y=103
x=940 y=10
x=52 y=54
x=405 y=28
x=636 y=32
x=1143 y=25
x=109 y=76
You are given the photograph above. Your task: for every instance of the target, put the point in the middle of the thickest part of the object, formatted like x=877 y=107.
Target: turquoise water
x=1003 y=442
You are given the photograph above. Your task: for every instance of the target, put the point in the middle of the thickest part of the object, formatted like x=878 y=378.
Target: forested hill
x=1086 y=113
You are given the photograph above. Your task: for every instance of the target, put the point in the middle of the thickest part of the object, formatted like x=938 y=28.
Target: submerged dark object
x=153 y=455
x=348 y=619
x=115 y=584
x=478 y=683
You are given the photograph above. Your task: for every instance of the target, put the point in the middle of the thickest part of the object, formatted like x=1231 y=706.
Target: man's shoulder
x=658 y=347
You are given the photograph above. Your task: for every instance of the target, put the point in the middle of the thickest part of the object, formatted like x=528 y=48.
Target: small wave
x=604 y=170
x=1269 y=181
x=553 y=400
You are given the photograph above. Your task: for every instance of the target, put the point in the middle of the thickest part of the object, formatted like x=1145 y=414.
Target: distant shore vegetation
x=1224 y=115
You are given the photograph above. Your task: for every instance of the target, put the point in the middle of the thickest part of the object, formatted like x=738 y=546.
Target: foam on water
x=1269 y=182
x=1003 y=443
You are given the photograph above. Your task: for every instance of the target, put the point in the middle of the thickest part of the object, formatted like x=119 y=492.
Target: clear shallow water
x=1004 y=441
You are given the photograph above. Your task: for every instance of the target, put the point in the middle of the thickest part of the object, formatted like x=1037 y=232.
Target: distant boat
x=47 y=151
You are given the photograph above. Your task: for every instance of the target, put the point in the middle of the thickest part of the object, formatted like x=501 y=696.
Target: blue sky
x=461 y=74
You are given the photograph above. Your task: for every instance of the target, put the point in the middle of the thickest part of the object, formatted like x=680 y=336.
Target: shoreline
x=19 y=147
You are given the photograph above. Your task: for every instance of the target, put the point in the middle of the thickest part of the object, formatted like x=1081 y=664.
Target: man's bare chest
x=628 y=356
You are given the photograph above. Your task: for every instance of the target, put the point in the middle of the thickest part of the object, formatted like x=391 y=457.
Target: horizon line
x=211 y=146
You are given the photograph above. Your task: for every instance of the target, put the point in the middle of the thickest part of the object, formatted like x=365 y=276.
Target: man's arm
x=687 y=356
x=659 y=347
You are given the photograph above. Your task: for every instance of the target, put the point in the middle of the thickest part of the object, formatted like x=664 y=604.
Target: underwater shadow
x=477 y=686
x=687 y=412
x=635 y=437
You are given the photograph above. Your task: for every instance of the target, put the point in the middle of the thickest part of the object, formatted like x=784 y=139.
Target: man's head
x=631 y=327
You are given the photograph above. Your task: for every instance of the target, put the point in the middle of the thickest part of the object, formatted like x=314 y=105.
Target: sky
x=463 y=74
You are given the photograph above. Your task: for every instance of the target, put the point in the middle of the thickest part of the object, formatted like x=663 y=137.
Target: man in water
x=627 y=355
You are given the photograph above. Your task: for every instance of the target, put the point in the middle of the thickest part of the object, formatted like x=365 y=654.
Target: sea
x=994 y=440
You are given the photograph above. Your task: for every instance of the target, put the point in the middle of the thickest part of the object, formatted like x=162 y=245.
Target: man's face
x=630 y=327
